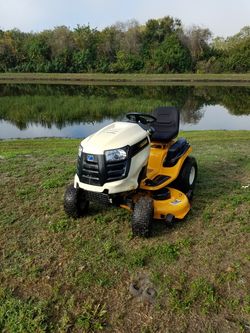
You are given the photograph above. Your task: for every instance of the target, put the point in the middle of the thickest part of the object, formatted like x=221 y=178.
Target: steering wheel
x=143 y=118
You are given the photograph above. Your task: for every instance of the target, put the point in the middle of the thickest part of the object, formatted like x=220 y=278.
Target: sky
x=223 y=17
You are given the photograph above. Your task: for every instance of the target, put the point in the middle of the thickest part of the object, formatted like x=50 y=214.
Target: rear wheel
x=142 y=217
x=187 y=177
x=75 y=202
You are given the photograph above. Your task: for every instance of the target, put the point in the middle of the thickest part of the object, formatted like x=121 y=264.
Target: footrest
x=158 y=180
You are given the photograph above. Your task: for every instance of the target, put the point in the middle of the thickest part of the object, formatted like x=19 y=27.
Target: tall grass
x=62 y=110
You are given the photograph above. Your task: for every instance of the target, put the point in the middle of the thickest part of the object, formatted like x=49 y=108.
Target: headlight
x=80 y=150
x=116 y=154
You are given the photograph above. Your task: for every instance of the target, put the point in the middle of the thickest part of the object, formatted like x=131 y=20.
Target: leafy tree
x=131 y=39
x=62 y=44
x=157 y=30
x=238 y=59
x=128 y=58
x=108 y=47
x=234 y=52
x=38 y=54
x=197 y=40
x=171 y=57
x=127 y=63
x=11 y=42
x=60 y=40
x=85 y=53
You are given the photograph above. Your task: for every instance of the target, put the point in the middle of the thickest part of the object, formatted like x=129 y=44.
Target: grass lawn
x=100 y=78
x=63 y=275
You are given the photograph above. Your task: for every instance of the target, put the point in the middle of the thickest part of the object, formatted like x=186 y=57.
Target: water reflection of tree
x=235 y=99
x=191 y=111
x=64 y=105
x=19 y=124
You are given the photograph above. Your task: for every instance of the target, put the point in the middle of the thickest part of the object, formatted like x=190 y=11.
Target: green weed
x=103 y=219
x=54 y=182
x=93 y=317
x=60 y=225
x=166 y=252
x=18 y=316
x=27 y=192
x=111 y=250
x=199 y=292
x=8 y=218
x=138 y=258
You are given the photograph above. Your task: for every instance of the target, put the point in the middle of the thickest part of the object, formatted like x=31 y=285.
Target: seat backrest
x=167 y=123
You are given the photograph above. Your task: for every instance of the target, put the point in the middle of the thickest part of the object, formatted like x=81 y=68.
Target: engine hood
x=115 y=135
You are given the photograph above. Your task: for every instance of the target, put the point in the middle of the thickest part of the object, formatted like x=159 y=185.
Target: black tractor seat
x=166 y=125
x=166 y=129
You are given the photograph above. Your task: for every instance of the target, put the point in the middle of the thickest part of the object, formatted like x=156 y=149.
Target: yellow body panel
x=177 y=205
x=155 y=167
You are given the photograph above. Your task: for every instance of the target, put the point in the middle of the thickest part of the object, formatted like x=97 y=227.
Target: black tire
x=75 y=202
x=186 y=180
x=142 y=217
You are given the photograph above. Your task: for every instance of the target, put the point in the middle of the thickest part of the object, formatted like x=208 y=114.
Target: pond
x=28 y=111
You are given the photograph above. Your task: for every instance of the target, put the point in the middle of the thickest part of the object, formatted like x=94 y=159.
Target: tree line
x=159 y=46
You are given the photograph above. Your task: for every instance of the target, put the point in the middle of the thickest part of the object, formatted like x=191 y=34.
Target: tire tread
x=142 y=217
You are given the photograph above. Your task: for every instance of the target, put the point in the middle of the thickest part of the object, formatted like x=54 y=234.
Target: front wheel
x=142 y=217
x=75 y=202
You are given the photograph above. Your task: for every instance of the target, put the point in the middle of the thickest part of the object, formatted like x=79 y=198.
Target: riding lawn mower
x=136 y=164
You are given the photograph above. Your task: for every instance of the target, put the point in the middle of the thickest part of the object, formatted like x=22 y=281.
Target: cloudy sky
x=222 y=17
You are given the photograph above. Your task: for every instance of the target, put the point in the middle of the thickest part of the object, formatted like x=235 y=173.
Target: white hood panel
x=115 y=135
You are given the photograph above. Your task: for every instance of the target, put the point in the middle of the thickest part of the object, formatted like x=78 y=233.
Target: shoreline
x=192 y=133
x=123 y=79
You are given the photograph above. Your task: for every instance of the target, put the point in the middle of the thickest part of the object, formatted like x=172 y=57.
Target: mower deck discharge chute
x=137 y=165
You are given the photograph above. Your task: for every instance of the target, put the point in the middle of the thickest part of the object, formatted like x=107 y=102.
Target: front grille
x=97 y=172
x=88 y=171
x=116 y=170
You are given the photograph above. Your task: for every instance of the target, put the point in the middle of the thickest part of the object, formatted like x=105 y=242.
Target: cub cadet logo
x=143 y=143
x=90 y=158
